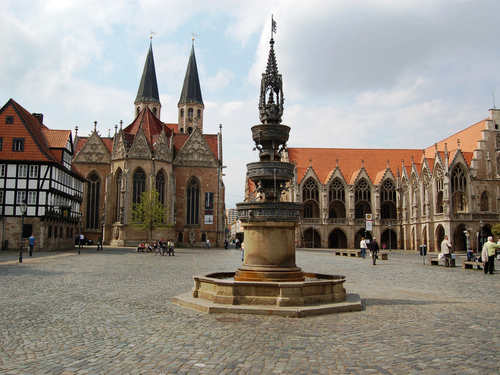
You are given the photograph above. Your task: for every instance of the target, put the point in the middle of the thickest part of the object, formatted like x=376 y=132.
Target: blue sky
x=357 y=74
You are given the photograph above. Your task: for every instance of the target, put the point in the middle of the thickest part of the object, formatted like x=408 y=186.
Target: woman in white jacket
x=484 y=255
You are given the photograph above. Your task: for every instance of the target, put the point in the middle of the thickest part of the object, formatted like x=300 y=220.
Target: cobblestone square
x=111 y=312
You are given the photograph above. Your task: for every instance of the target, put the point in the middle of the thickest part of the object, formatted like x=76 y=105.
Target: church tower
x=190 y=104
x=147 y=95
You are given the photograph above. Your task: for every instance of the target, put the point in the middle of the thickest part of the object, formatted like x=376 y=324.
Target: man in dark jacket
x=374 y=249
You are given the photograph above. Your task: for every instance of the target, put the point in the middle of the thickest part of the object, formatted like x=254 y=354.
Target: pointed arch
x=388 y=200
x=310 y=198
x=337 y=239
x=161 y=186
x=459 y=189
x=193 y=202
x=362 y=199
x=439 y=188
x=93 y=201
x=485 y=202
x=336 y=197
x=139 y=185
x=119 y=188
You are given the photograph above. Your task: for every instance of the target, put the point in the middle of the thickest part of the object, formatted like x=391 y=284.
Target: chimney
x=39 y=117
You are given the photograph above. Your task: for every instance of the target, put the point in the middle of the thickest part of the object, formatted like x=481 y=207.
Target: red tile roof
x=57 y=138
x=350 y=161
x=25 y=126
x=151 y=125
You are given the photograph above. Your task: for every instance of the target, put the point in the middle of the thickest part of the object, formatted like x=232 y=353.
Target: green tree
x=149 y=213
x=495 y=229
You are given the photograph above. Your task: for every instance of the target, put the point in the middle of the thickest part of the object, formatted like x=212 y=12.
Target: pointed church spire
x=191 y=91
x=271 y=90
x=190 y=104
x=147 y=94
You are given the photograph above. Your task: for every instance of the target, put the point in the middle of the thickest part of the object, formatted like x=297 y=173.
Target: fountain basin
x=319 y=294
x=320 y=288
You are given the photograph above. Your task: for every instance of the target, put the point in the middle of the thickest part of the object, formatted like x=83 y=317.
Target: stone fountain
x=269 y=281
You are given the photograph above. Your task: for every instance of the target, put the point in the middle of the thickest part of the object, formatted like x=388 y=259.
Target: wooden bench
x=349 y=253
x=435 y=262
x=383 y=256
x=469 y=265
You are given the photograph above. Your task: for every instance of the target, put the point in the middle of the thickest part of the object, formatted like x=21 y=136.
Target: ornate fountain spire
x=271 y=89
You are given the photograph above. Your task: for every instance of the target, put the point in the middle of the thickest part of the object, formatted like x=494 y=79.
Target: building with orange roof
x=36 y=172
x=415 y=197
x=178 y=160
x=404 y=197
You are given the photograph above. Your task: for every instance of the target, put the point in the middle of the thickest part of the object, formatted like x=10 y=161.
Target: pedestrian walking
x=162 y=246
x=207 y=246
x=446 y=251
x=242 y=251
x=170 y=247
x=374 y=249
x=31 y=243
x=363 y=247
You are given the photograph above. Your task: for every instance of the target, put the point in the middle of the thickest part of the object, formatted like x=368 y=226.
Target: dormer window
x=18 y=144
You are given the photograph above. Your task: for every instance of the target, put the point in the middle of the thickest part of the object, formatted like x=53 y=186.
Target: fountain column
x=270 y=224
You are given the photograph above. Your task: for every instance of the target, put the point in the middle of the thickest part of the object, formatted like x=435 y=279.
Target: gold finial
x=152 y=33
x=193 y=35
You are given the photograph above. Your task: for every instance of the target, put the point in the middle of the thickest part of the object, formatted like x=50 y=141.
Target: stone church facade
x=178 y=159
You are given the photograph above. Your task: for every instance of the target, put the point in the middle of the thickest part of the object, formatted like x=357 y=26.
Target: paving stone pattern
x=111 y=312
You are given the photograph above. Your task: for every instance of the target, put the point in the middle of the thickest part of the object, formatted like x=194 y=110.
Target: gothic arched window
x=439 y=190
x=388 y=200
x=199 y=113
x=182 y=113
x=458 y=180
x=310 y=190
x=337 y=191
x=362 y=191
x=485 y=202
x=119 y=181
x=139 y=182
x=190 y=112
x=459 y=190
x=93 y=195
x=193 y=203
x=160 y=186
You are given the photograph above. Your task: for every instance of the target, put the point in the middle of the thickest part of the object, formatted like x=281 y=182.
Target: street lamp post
x=313 y=237
x=23 y=207
x=80 y=235
x=390 y=237
x=102 y=232
x=481 y=224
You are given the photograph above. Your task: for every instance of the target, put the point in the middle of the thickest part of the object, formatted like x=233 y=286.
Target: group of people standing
x=487 y=254
x=159 y=247
x=374 y=249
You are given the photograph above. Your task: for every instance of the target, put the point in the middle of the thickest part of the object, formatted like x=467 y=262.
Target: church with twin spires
x=178 y=159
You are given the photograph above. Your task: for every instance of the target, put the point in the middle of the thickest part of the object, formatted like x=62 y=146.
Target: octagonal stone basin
x=220 y=288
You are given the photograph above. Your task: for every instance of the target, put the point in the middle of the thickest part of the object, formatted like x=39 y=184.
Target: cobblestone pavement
x=111 y=312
